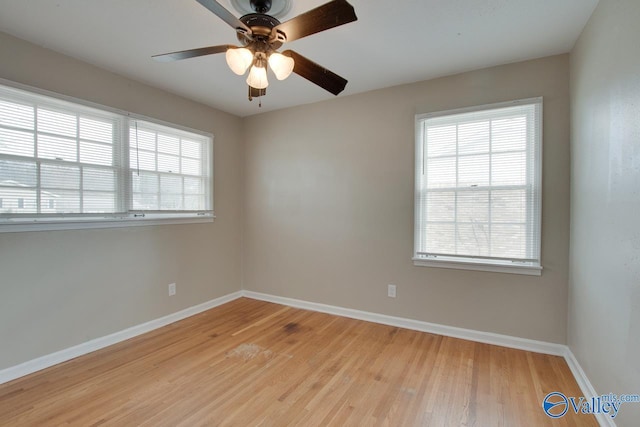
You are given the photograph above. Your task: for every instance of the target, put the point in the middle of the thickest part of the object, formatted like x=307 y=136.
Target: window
x=65 y=162
x=478 y=179
x=166 y=168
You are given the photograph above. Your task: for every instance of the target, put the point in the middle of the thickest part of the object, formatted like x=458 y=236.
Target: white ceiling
x=393 y=42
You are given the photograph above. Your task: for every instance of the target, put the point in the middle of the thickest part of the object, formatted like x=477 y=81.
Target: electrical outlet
x=172 y=289
x=391 y=291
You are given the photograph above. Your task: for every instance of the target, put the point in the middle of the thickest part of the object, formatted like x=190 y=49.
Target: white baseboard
x=585 y=385
x=418 y=325
x=48 y=360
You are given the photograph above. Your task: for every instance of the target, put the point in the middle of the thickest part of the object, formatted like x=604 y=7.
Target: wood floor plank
x=253 y=363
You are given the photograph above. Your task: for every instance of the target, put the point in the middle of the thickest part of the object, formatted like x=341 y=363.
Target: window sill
x=14 y=226
x=528 y=270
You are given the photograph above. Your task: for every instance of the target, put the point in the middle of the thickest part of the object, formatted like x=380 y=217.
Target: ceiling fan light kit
x=282 y=66
x=239 y=59
x=258 y=75
x=261 y=35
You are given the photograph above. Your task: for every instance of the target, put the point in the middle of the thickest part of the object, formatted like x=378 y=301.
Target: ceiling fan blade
x=225 y=15
x=329 y=15
x=192 y=53
x=316 y=73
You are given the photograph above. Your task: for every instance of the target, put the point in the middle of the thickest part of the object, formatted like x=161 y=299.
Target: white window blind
x=66 y=161
x=478 y=186
x=168 y=171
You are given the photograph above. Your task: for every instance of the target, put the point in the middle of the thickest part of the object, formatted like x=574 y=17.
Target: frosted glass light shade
x=258 y=77
x=281 y=65
x=239 y=59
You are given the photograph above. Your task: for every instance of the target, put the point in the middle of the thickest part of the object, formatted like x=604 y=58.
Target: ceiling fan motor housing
x=261 y=26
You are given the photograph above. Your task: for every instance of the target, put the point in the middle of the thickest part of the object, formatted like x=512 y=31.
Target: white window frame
x=129 y=217
x=529 y=267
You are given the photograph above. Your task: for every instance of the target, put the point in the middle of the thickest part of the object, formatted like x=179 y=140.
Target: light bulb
x=239 y=59
x=281 y=65
x=258 y=77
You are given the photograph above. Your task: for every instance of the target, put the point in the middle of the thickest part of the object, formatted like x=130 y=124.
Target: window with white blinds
x=64 y=161
x=478 y=188
x=167 y=169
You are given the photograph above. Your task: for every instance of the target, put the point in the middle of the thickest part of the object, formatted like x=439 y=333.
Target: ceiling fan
x=261 y=35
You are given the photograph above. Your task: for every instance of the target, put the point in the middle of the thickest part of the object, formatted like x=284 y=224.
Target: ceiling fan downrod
x=261 y=6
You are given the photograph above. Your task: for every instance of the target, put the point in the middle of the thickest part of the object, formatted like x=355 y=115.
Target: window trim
x=458 y=264
x=88 y=223
x=480 y=263
x=22 y=223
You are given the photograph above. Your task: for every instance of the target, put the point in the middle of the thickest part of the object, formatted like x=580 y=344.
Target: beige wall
x=329 y=205
x=61 y=288
x=604 y=303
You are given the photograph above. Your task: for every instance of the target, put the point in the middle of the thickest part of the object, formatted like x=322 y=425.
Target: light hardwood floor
x=252 y=363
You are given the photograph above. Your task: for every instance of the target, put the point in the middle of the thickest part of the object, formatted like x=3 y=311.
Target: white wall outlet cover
x=391 y=291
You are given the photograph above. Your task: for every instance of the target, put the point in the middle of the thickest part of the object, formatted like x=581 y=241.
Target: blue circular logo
x=555 y=404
